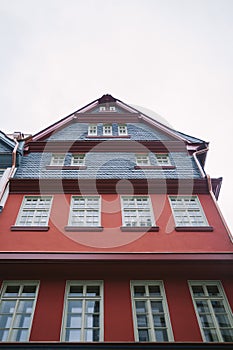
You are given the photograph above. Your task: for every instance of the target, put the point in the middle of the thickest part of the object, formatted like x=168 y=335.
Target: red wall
x=118 y=323
x=111 y=238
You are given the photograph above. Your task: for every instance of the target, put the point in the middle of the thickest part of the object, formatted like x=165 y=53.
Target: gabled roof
x=106 y=101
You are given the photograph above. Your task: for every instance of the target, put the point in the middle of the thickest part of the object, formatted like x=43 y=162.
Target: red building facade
x=111 y=237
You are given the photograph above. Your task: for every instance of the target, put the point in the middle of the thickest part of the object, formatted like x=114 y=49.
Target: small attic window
x=112 y=109
x=92 y=130
x=142 y=159
x=107 y=109
x=57 y=159
x=102 y=108
x=107 y=129
x=122 y=129
x=163 y=159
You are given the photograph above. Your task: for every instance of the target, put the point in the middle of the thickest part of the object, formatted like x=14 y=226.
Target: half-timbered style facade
x=111 y=238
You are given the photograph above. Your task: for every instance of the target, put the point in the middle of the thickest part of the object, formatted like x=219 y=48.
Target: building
x=111 y=238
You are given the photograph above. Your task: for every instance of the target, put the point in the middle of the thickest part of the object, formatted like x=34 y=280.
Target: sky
x=174 y=57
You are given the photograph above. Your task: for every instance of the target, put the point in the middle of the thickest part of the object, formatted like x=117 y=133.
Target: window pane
x=11 y=291
x=159 y=321
x=161 y=335
x=142 y=321
x=7 y=307
x=92 y=335
x=206 y=321
x=5 y=321
x=25 y=306
x=74 y=320
x=93 y=291
x=227 y=335
x=76 y=290
x=29 y=290
x=213 y=290
x=75 y=306
x=92 y=306
x=22 y=321
x=210 y=335
x=198 y=291
x=156 y=306
x=139 y=291
x=3 y=334
x=141 y=307
x=218 y=306
x=143 y=335
x=19 y=335
x=154 y=290
x=223 y=320
x=92 y=321
x=73 y=335
x=202 y=306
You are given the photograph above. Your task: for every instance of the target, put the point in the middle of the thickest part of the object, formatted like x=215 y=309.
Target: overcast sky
x=172 y=56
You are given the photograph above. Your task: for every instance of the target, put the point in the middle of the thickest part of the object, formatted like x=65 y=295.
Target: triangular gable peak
x=109 y=109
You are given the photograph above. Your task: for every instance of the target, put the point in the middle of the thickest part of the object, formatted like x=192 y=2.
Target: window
x=187 y=211
x=17 y=306
x=107 y=129
x=102 y=108
x=83 y=312
x=137 y=211
x=163 y=159
x=142 y=159
x=57 y=159
x=213 y=312
x=78 y=159
x=122 y=129
x=92 y=130
x=85 y=211
x=112 y=109
x=34 y=211
x=150 y=312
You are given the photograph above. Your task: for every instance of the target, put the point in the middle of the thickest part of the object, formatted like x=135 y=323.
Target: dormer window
x=78 y=159
x=102 y=108
x=142 y=159
x=122 y=129
x=107 y=129
x=112 y=109
x=92 y=130
x=163 y=159
x=58 y=159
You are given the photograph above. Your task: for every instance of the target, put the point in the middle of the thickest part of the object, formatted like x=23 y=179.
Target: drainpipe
x=218 y=208
x=195 y=154
x=9 y=175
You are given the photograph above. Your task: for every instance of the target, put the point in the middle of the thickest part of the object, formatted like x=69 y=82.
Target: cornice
x=102 y=186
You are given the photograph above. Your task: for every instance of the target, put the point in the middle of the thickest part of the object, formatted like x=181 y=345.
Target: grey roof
x=100 y=165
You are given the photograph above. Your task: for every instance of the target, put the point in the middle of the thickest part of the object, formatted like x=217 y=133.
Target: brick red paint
x=112 y=239
x=48 y=312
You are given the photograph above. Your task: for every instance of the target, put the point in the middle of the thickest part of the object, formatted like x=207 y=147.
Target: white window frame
x=34 y=209
x=78 y=159
x=58 y=159
x=102 y=109
x=211 y=314
x=122 y=130
x=84 y=299
x=147 y=298
x=15 y=310
x=92 y=130
x=2 y=172
x=186 y=209
x=107 y=129
x=112 y=108
x=163 y=159
x=85 y=211
x=142 y=159
x=135 y=208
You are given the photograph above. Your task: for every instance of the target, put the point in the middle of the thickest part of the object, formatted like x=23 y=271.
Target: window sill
x=161 y=167
x=66 y=167
x=194 y=228
x=84 y=228
x=139 y=228
x=29 y=228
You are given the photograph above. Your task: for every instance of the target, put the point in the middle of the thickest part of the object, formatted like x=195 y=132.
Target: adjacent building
x=111 y=238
